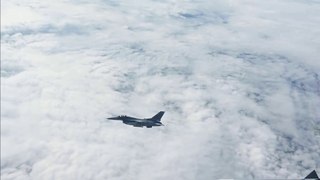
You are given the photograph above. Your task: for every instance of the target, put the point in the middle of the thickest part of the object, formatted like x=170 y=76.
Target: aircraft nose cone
x=114 y=118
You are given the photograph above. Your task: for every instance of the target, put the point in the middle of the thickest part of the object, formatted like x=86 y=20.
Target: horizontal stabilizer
x=158 y=116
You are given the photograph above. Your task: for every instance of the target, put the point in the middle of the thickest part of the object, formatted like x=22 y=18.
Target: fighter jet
x=136 y=122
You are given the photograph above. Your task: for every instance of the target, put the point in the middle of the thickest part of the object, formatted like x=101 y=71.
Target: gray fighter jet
x=136 y=122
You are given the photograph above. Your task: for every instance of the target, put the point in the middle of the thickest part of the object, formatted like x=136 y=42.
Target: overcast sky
x=239 y=82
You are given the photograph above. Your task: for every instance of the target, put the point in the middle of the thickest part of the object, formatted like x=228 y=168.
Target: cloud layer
x=239 y=82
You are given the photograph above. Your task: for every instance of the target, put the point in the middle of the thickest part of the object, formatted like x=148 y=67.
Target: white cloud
x=239 y=82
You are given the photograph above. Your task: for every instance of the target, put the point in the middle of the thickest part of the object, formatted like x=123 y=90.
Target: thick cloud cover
x=239 y=81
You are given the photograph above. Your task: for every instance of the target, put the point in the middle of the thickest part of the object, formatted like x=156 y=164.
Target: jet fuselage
x=136 y=122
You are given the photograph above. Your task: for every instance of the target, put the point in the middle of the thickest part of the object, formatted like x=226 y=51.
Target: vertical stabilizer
x=158 y=116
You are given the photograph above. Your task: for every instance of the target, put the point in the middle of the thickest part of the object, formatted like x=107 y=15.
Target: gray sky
x=239 y=81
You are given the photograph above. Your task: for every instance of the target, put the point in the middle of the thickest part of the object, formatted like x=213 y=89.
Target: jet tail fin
x=158 y=116
x=312 y=175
